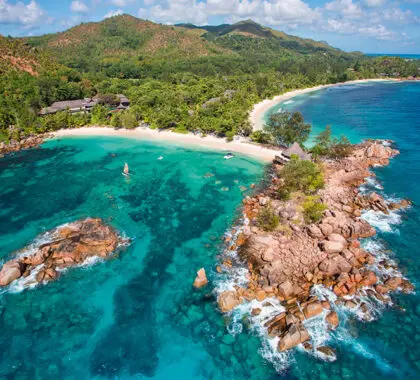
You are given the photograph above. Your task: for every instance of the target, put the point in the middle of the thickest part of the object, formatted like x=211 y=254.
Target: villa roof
x=67 y=104
x=298 y=151
x=123 y=98
x=81 y=104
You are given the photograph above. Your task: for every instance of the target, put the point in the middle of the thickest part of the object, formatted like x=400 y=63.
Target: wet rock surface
x=64 y=247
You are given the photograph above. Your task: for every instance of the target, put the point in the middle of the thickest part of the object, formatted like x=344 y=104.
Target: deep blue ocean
x=137 y=315
x=405 y=56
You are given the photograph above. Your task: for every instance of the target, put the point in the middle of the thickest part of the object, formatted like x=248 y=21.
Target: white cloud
x=287 y=13
x=380 y=32
x=348 y=27
x=79 y=7
x=374 y=3
x=362 y=18
x=118 y=12
x=397 y=15
x=120 y=3
x=27 y=15
x=339 y=26
x=346 y=8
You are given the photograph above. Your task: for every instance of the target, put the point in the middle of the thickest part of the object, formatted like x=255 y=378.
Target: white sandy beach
x=239 y=145
x=256 y=116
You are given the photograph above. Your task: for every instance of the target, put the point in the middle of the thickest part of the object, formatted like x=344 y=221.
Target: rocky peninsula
x=64 y=247
x=287 y=264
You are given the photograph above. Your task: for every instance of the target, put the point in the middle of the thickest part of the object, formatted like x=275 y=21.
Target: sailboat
x=126 y=171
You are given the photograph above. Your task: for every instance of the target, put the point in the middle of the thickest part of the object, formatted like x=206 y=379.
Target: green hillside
x=274 y=40
x=128 y=47
x=17 y=56
x=123 y=44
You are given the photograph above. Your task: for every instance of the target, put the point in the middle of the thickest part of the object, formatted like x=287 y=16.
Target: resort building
x=82 y=105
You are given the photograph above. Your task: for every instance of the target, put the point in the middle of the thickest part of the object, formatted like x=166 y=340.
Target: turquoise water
x=136 y=316
x=390 y=346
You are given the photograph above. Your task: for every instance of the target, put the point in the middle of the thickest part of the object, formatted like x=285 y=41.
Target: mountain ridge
x=126 y=39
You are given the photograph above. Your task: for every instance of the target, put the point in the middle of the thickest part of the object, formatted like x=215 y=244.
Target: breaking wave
x=381 y=221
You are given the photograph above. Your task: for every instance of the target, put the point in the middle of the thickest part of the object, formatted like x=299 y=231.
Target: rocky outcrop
x=10 y=272
x=375 y=202
x=332 y=319
x=66 y=246
x=23 y=143
x=228 y=300
x=312 y=309
x=201 y=279
x=295 y=335
x=288 y=262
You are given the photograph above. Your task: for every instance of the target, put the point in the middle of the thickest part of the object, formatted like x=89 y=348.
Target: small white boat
x=229 y=156
x=126 y=171
x=160 y=158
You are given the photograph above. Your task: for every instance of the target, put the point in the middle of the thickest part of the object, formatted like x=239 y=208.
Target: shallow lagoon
x=136 y=315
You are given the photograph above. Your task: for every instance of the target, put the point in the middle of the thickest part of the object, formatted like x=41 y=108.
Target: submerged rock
x=327 y=353
x=66 y=246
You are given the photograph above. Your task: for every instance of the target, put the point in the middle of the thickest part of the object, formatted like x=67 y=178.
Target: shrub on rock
x=267 y=219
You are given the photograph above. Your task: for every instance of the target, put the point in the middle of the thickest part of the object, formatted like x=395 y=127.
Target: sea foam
x=381 y=221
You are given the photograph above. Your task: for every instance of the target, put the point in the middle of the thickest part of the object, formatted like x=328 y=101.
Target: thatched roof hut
x=296 y=149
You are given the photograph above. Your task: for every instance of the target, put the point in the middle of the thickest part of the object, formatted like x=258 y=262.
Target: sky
x=371 y=26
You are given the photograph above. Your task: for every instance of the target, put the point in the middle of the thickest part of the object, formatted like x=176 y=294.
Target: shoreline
x=259 y=109
x=239 y=145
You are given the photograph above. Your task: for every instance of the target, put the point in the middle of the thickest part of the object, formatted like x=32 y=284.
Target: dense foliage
x=300 y=175
x=327 y=146
x=183 y=78
x=286 y=128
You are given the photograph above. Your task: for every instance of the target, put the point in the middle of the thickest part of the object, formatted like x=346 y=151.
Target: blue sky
x=371 y=26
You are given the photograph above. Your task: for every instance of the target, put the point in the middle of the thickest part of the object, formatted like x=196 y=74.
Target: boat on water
x=126 y=171
x=228 y=156
x=160 y=158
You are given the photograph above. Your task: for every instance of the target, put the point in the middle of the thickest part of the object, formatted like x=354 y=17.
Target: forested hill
x=125 y=46
x=15 y=55
x=265 y=38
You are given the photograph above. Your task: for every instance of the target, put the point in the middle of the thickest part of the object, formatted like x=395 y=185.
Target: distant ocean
x=406 y=56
